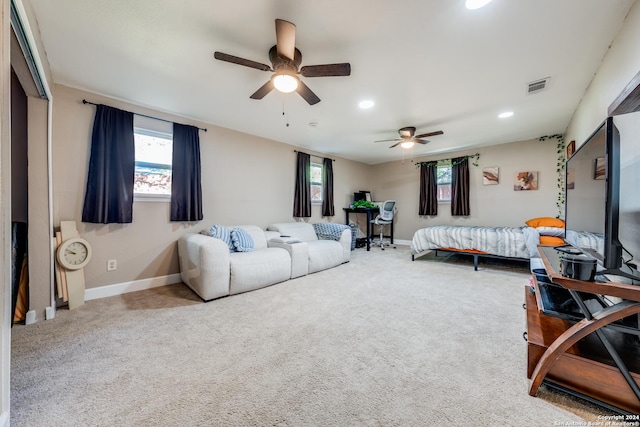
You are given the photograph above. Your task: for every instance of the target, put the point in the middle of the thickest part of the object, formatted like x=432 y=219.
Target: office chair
x=385 y=217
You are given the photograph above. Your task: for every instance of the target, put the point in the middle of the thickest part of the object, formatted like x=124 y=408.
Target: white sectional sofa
x=322 y=253
x=212 y=270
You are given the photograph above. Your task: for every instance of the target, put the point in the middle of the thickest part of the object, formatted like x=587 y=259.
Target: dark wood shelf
x=564 y=348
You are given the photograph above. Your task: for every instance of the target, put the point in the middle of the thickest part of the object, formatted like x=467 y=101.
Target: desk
x=369 y=212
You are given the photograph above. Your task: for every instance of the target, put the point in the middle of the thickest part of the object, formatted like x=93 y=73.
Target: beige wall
x=491 y=205
x=619 y=66
x=245 y=180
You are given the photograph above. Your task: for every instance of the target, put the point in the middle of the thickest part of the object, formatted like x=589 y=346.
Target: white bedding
x=512 y=242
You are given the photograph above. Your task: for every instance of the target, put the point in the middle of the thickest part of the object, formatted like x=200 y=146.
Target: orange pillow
x=551 y=241
x=545 y=221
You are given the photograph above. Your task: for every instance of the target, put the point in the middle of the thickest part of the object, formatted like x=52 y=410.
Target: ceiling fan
x=408 y=137
x=285 y=59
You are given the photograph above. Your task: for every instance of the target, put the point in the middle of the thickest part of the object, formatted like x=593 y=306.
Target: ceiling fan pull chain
x=283 y=113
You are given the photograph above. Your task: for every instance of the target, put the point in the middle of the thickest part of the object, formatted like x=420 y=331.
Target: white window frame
x=320 y=183
x=443 y=166
x=156 y=128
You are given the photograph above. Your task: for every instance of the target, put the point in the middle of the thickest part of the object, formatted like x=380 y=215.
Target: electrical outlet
x=112 y=265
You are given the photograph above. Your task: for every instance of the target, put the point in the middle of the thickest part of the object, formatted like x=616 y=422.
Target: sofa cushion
x=242 y=241
x=324 y=254
x=254 y=270
x=258 y=235
x=301 y=230
x=223 y=233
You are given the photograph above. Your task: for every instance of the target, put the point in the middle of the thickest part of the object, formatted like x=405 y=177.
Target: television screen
x=592 y=197
x=629 y=222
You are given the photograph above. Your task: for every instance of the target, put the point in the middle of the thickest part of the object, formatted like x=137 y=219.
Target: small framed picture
x=526 y=181
x=491 y=175
x=571 y=148
x=599 y=168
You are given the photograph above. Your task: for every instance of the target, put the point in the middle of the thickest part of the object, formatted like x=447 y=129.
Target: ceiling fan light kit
x=285 y=60
x=407 y=144
x=285 y=83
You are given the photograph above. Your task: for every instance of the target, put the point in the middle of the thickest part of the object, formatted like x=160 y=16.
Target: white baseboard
x=126 y=287
x=402 y=242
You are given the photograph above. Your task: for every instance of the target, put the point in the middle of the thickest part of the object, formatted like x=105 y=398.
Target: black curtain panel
x=428 y=189
x=327 y=188
x=302 y=194
x=109 y=193
x=186 y=188
x=460 y=186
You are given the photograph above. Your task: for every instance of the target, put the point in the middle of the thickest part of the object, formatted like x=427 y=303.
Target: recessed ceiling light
x=476 y=4
x=505 y=114
x=367 y=103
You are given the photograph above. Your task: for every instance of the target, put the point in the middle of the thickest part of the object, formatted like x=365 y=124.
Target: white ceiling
x=432 y=64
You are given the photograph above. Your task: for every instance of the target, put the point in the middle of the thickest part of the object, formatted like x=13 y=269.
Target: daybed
x=519 y=243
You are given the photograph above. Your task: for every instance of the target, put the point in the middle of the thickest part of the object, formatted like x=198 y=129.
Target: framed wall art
x=571 y=148
x=491 y=175
x=525 y=181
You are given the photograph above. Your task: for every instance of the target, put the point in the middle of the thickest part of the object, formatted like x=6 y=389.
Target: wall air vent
x=537 y=86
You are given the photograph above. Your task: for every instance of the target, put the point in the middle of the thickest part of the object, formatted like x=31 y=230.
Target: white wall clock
x=74 y=253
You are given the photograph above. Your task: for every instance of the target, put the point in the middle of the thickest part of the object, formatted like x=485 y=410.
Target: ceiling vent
x=537 y=86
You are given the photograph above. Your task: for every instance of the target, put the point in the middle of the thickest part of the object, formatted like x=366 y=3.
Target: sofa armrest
x=204 y=265
x=299 y=252
x=345 y=241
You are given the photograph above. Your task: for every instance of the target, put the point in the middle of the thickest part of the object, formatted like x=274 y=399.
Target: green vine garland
x=476 y=157
x=560 y=165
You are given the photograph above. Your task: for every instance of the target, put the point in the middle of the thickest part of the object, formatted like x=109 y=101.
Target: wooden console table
x=591 y=351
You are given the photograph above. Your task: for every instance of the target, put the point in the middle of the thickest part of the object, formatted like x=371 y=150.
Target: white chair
x=384 y=217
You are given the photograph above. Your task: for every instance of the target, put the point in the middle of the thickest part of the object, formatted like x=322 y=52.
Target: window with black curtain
x=186 y=188
x=460 y=186
x=302 y=192
x=428 y=189
x=109 y=192
x=327 y=188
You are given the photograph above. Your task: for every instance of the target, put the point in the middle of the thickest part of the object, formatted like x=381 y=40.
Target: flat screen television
x=592 y=199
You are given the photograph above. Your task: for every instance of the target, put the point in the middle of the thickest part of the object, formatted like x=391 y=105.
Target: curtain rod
x=84 y=101
x=313 y=155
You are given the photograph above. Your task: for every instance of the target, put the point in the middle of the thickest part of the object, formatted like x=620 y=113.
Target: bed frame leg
x=413 y=258
x=475 y=262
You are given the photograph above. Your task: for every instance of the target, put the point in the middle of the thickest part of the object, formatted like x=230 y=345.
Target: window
x=154 y=152
x=443 y=178
x=316 y=183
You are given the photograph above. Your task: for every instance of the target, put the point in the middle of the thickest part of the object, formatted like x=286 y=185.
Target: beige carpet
x=380 y=341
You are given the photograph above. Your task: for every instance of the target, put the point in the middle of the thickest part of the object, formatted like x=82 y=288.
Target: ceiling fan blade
x=389 y=140
x=421 y=141
x=286 y=38
x=326 y=70
x=308 y=95
x=424 y=135
x=396 y=144
x=263 y=91
x=241 y=61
